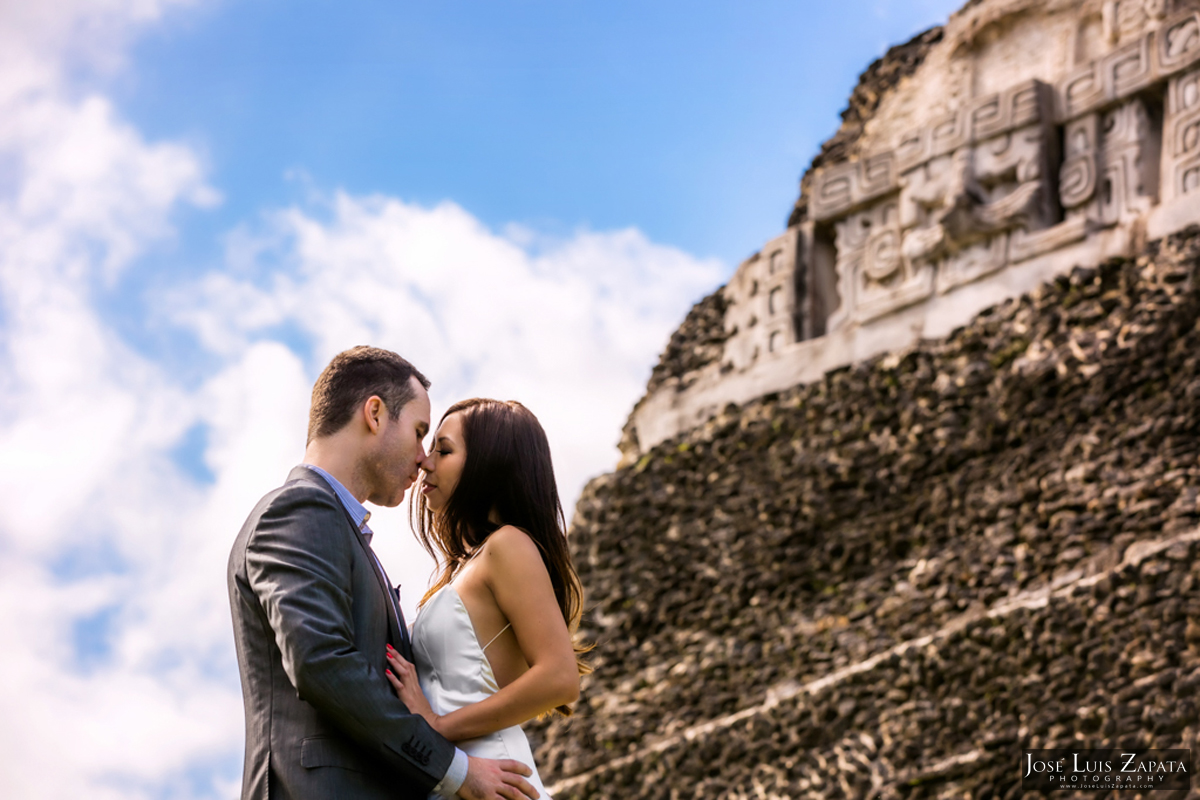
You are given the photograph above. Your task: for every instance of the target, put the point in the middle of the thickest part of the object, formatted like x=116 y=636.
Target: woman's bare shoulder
x=511 y=549
x=510 y=540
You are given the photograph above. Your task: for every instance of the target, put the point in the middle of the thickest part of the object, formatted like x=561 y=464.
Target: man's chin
x=390 y=502
x=404 y=491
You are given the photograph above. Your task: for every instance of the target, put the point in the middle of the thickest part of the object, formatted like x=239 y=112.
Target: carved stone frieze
x=1017 y=107
x=843 y=186
x=874 y=268
x=968 y=180
x=1126 y=70
x=1123 y=18
x=957 y=210
x=761 y=302
x=1034 y=136
x=1158 y=53
x=1131 y=156
x=1182 y=158
x=1078 y=177
x=1179 y=43
x=975 y=189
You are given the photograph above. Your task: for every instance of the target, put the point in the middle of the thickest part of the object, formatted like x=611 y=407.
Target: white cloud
x=43 y=46
x=101 y=537
x=102 y=534
x=568 y=326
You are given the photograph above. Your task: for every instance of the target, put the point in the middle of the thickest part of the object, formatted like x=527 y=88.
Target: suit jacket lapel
x=397 y=633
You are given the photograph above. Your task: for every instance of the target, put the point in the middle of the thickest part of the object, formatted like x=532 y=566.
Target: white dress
x=454 y=672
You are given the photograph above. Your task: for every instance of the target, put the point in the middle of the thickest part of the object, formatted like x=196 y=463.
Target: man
x=313 y=612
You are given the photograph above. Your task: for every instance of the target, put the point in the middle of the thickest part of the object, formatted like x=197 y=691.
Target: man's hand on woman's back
x=490 y=779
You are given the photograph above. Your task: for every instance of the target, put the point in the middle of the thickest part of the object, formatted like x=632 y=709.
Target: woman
x=493 y=637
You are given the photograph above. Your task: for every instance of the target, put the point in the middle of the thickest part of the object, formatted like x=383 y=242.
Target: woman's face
x=444 y=464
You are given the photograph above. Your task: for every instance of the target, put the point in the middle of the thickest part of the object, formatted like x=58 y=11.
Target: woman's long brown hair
x=507 y=470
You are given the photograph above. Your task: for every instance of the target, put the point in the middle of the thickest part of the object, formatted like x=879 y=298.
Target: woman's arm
x=513 y=571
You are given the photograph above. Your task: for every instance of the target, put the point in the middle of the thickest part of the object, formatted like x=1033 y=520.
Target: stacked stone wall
x=892 y=580
x=697 y=342
x=948 y=715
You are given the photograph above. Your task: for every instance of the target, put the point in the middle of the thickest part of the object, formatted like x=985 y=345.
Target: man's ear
x=373 y=411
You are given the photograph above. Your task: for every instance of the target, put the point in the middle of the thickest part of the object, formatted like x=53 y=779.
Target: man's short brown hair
x=352 y=377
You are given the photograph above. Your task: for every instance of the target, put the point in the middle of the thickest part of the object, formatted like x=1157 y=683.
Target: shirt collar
x=358 y=512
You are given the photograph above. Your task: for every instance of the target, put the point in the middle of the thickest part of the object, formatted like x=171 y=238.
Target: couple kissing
x=341 y=699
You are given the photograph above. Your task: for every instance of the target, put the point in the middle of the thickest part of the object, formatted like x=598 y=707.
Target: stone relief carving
x=1182 y=161
x=957 y=210
x=1078 y=177
x=852 y=183
x=1125 y=18
x=1130 y=162
x=974 y=188
x=760 y=299
x=992 y=190
x=966 y=181
x=982 y=119
x=1110 y=166
x=873 y=267
x=1180 y=42
x=1166 y=48
x=1128 y=69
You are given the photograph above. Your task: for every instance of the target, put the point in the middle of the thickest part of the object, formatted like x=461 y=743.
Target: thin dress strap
x=471 y=558
x=497 y=636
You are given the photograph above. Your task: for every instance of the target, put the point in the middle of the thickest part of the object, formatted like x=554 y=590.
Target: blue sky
x=201 y=202
x=691 y=122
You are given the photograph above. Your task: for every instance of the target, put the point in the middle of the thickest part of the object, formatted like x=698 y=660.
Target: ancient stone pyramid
x=919 y=488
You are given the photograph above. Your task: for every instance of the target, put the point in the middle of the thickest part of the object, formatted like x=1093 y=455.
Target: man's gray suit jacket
x=311 y=621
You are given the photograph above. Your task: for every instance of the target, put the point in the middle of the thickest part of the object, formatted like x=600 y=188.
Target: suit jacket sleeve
x=299 y=566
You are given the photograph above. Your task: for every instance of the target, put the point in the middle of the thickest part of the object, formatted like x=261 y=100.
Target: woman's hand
x=403 y=677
